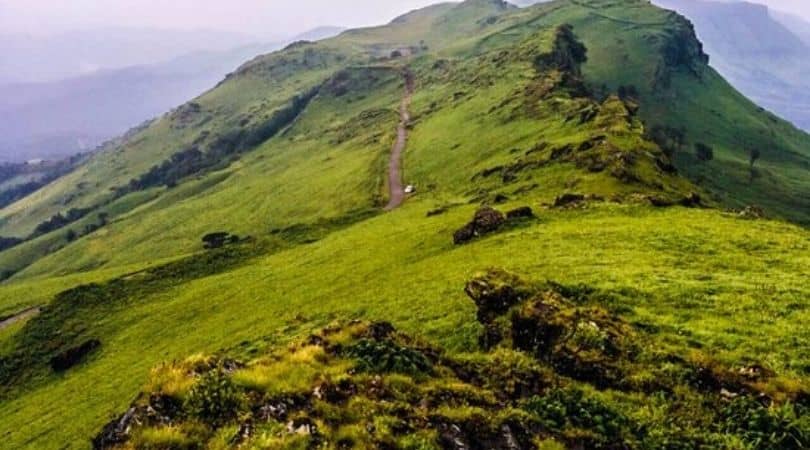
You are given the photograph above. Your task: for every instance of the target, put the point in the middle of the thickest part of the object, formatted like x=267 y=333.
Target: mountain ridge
x=763 y=58
x=577 y=167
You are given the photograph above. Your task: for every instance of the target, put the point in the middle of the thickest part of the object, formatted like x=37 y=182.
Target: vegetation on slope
x=512 y=109
x=364 y=385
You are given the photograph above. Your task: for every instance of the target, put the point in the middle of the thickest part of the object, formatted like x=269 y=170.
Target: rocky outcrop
x=486 y=220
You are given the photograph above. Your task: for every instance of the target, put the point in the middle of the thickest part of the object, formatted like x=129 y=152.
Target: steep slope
x=214 y=125
x=61 y=118
x=58 y=119
x=799 y=26
x=511 y=108
x=762 y=58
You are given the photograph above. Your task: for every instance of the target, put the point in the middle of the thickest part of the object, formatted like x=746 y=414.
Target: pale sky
x=259 y=17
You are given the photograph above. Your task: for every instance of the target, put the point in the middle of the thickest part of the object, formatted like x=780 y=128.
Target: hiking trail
x=396 y=190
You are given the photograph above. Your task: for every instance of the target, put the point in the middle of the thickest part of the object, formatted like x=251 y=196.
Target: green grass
x=739 y=293
x=706 y=281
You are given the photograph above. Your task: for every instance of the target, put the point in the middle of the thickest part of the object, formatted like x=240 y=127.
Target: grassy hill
x=585 y=111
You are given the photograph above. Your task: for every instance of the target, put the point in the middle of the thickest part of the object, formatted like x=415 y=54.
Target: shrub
x=766 y=428
x=59 y=220
x=214 y=399
x=563 y=409
x=704 y=152
x=7 y=243
x=74 y=355
x=754 y=155
x=671 y=140
x=219 y=239
x=386 y=356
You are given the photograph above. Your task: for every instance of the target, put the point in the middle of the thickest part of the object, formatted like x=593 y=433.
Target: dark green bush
x=387 y=356
x=214 y=399
x=562 y=409
x=704 y=152
x=785 y=427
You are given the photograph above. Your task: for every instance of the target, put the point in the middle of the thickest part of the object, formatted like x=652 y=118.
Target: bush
x=214 y=399
x=74 y=355
x=704 y=152
x=570 y=408
x=219 y=239
x=763 y=428
x=386 y=356
x=7 y=243
x=59 y=221
x=671 y=140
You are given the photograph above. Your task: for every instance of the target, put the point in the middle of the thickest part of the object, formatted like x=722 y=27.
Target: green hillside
x=587 y=112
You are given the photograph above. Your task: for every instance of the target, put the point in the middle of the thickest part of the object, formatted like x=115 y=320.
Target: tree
x=703 y=152
x=219 y=239
x=754 y=156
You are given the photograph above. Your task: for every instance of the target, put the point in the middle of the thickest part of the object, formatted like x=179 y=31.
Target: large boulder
x=486 y=220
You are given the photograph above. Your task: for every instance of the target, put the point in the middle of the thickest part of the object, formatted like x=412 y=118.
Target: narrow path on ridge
x=22 y=315
x=396 y=191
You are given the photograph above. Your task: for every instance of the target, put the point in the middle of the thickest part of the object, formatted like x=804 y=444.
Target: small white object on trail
x=410 y=189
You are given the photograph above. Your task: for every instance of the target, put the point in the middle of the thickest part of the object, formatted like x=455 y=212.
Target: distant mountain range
x=36 y=59
x=60 y=118
x=796 y=24
x=764 y=55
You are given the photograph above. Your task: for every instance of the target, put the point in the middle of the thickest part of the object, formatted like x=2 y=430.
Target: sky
x=257 y=17
x=267 y=18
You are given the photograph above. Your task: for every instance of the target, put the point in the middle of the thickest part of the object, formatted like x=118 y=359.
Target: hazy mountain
x=760 y=56
x=32 y=59
x=47 y=120
x=319 y=33
x=56 y=119
x=796 y=24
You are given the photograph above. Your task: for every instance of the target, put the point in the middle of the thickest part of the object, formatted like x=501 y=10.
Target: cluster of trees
x=704 y=152
x=7 y=243
x=221 y=151
x=20 y=191
x=670 y=139
x=219 y=239
x=45 y=172
x=60 y=220
x=179 y=165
